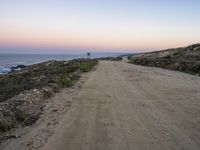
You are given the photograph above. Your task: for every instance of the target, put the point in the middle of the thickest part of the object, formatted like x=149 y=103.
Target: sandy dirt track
x=122 y=106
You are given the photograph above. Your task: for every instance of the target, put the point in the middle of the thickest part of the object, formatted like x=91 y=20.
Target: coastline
x=9 y=62
x=23 y=91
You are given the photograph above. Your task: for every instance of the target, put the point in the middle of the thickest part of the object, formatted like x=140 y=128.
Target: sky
x=71 y=26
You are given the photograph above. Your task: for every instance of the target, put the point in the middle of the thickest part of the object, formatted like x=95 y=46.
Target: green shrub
x=41 y=75
x=87 y=66
x=63 y=81
x=20 y=115
x=6 y=125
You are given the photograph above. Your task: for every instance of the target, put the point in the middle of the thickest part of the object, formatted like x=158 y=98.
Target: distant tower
x=88 y=55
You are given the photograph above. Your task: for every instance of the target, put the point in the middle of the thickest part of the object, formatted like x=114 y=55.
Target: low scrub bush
x=37 y=76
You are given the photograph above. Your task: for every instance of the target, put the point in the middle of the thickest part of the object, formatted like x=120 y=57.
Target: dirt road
x=128 y=107
x=121 y=106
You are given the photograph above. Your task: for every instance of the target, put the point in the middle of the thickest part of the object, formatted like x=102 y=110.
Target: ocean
x=12 y=60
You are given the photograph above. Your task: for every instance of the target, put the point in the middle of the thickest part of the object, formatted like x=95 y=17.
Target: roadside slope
x=185 y=59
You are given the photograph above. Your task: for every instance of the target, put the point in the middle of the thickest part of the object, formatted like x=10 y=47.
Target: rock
x=196 y=48
x=31 y=120
x=18 y=67
x=55 y=110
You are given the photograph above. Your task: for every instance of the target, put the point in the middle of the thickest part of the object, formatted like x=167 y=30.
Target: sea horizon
x=12 y=60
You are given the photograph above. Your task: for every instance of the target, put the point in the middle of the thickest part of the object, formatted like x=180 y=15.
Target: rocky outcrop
x=18 y=67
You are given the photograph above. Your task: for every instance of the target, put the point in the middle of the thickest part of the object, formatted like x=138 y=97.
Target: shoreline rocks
x=6 y=70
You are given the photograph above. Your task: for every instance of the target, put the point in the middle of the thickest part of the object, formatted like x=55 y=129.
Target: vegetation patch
x=119 y=58
x=6 y=125
x=20 y=115
x=22 y=91
x=43 y=74
x=186 y=59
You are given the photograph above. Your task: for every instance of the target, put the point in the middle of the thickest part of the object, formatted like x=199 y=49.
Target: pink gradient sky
x=101 y=26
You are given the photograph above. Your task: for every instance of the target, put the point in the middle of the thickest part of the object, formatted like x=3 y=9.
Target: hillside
x=22 y=93
x=185 y=59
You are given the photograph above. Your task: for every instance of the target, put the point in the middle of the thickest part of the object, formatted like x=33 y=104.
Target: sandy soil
x=119 y=106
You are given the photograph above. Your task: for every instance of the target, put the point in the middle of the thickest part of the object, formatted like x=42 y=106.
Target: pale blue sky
x=100 y=25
